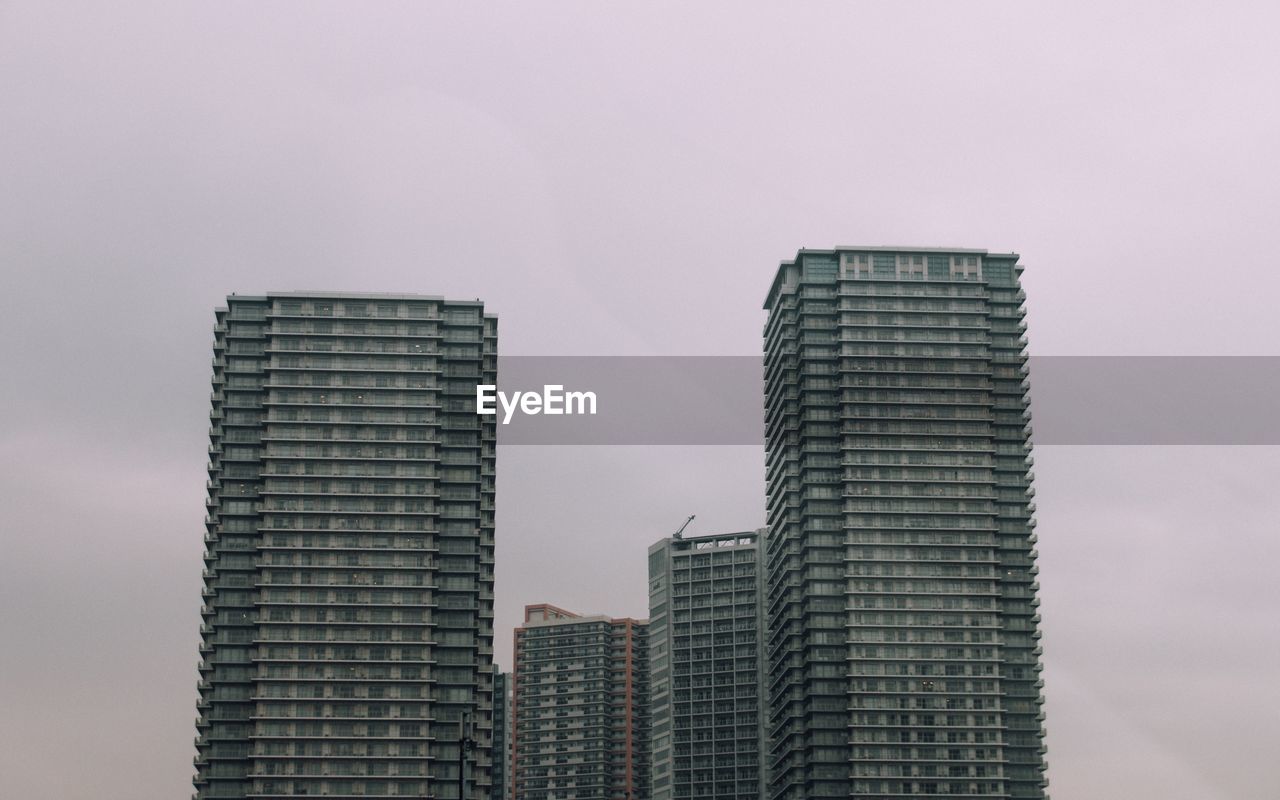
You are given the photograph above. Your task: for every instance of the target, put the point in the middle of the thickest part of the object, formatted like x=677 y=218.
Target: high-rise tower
x=706 y=634
x=903 y=657
x=348 y=620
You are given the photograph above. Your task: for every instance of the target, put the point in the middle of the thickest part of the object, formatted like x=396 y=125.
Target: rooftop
x=777 y=278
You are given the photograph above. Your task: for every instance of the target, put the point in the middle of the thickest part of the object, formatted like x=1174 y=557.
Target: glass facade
x=347 y=640
x=901 y=583
x=706 y=630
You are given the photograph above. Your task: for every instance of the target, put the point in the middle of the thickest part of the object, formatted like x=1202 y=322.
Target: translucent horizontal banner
x=682 y=400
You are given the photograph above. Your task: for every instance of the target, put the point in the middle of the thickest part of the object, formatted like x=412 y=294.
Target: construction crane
x=679 y=533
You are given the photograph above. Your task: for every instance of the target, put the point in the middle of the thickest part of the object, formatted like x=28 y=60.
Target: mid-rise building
x=580 y=721
x=347 y=636
x=902 y=657
x=706 y=634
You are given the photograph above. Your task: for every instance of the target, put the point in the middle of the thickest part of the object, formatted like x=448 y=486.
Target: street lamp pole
x=465 y=746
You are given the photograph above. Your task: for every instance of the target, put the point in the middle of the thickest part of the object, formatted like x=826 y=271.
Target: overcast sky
x=624 y=181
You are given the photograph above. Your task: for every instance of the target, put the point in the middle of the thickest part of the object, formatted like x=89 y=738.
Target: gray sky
x=624 y=181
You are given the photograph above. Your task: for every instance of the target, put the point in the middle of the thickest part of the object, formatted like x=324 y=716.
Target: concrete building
x=580 y=716
x=501 y=735
x=347 y=636
x=903 y=656
x=706 y=634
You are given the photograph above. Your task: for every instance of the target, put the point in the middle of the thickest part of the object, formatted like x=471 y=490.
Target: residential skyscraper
x=903 y=656
x=706 y=638
x=347 y=643
x=580 y=717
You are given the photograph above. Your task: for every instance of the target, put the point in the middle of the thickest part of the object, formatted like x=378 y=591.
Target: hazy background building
x=580 y=717
x=903 y=655
x=348 y=617
x=706 y=633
